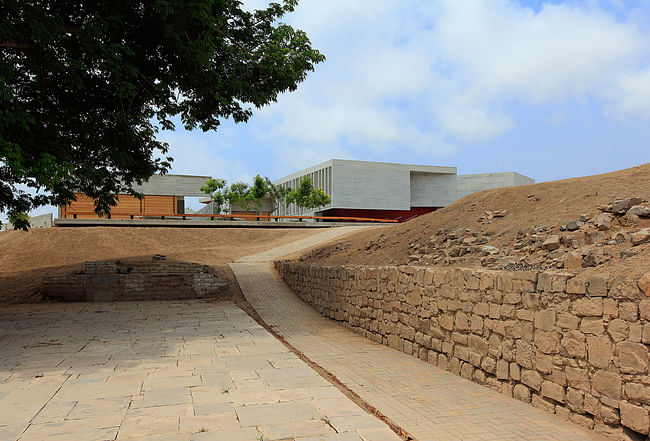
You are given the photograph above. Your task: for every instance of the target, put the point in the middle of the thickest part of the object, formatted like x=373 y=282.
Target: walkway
x=428 y=403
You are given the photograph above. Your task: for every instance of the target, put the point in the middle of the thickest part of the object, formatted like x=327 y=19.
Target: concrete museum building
x=390 y=191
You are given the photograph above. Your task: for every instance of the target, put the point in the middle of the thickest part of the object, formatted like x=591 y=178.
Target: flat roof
x=434 y=169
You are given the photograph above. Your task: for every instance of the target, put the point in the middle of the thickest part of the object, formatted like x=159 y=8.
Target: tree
x=218 y=192
x=86 y=86
x=306 y=197
x=242 y=194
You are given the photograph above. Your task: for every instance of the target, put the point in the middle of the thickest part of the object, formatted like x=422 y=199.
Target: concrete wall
x=574 y=347
x=379 y=186
x=468 y=184
x=432 y=190
x=173 y=185
x=108 y=281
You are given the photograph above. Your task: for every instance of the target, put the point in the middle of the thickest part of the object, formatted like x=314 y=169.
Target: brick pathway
x=162 y=371
x=427 y=402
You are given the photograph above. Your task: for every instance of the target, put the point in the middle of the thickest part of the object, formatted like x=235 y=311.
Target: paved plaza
x=162 y=371
x=204 y=370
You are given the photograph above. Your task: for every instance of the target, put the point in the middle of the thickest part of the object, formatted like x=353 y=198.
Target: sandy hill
x=27 y=256
x=520 y=228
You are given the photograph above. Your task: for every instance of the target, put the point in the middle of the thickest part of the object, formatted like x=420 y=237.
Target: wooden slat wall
x=125 y=204
x=160 y=205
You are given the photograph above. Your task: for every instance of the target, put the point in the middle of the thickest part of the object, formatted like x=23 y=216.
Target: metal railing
x=258 y=217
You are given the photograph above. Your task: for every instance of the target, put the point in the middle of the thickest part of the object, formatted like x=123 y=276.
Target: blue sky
x=550 y=89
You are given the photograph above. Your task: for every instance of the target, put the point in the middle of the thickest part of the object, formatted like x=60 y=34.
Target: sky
x=549 y=89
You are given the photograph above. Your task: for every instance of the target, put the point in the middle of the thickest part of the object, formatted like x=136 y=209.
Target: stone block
x=502 y=370
x=592 y=325
x=607 y=383
x=618 y=330
x=544 y=281
x=632 y=357
x=575 y=400
x=489 y=365
x=628 y=311
x=586 y=307
x=515 y=372
x=610 y=415
x=637 y=392
x=522 y=393
x=567 y=321
x=577 y=378
x=574 y=344
x=532 y=379
x=600 y=351
x=635 y=417
x=548 y=342
x=525 y=314
x=524 y=354
x=545 y=319
x=597 y=285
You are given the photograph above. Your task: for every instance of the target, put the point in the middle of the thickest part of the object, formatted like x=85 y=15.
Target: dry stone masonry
x=572 y=346
x=160 y=280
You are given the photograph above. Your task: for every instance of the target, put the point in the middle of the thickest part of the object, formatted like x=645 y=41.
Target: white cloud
x=433 y=74
x=634 y=91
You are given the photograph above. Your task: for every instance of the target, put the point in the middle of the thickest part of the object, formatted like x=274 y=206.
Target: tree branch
x=15 y=44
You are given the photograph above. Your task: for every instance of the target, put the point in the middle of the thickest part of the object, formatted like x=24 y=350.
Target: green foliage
x=306 y=196
x=20 y=221
x=218 y=192
x=86 y=86
x=242 y=194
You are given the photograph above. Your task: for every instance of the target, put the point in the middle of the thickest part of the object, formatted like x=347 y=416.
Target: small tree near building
x=245 y=196
x=306 y=197
x=218 y=192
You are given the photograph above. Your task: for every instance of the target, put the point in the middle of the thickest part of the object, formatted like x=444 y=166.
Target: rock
x=489 y=250
x=633 y=358
x=592 y=258
x=644 y=284
x=624 y=254
x=608 y=384
x=572 y=226
x=635 y=417
x=640 y=237
x=585 y=217
x=603 y=221
x=621 y=237
x=573 y=260
x=551 y=243
x=620 y=206
x=562 y=227
x=501 y=213
x=639 y=210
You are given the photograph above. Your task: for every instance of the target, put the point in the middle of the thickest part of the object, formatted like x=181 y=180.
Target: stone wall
x=111 y=281
x=575 y=347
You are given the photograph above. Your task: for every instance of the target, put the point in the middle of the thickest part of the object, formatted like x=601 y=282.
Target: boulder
x=639 y=210
x=551 y=243
x=620 y=206
x=603 y=221
x=640 y=237
x=573 y=226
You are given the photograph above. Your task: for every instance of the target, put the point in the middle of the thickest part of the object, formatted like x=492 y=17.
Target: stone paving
x=425 y=401
x=162 y=371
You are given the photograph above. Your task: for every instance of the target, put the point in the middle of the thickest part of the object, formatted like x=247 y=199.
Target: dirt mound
x=27 y=256
x=580 y=224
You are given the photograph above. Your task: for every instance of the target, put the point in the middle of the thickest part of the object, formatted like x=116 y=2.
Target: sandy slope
x=545 y=206
x=26 y=256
